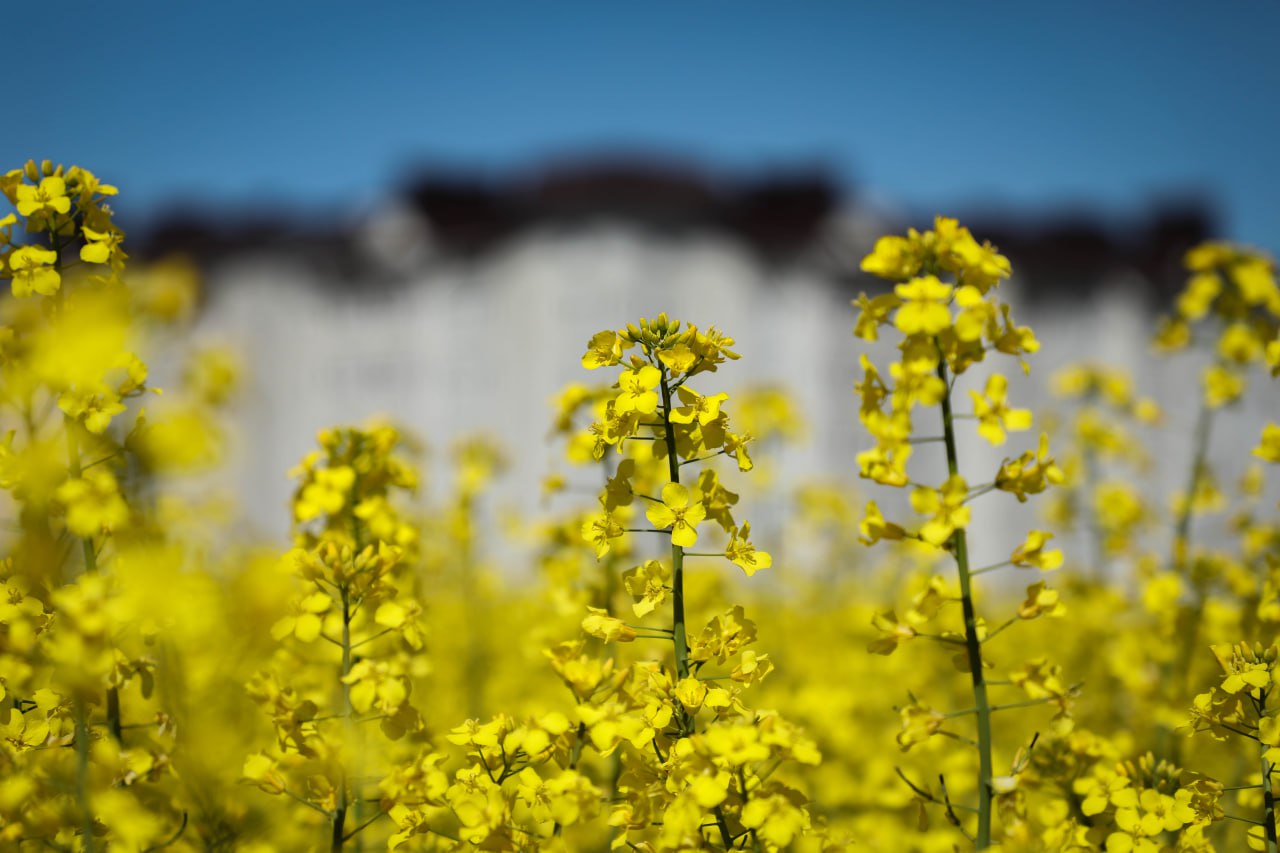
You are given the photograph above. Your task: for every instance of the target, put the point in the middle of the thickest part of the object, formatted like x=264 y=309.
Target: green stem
x=1269 y=801
x=678 y=636
x=964 y=712
x=960 y=549
x=1268 y=795
x=338 y=834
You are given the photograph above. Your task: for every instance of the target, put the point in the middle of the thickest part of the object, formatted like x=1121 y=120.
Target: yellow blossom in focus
x=637 y=394
x=604 y=349
x=598 y=529
x=100 y=246
x=741 y=552
x=696 y=407
x=681 y=511
x=50 y=196
x=32 y=272
x=648 y=584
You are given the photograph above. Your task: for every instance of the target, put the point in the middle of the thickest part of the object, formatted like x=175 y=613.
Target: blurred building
x=465 y=305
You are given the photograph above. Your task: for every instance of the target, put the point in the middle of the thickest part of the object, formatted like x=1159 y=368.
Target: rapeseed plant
x=946 y=328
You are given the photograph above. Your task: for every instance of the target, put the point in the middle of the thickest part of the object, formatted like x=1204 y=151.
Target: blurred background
x=425 y=210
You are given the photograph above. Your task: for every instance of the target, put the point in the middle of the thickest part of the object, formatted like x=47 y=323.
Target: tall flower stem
x=1268 y=793
x=340 y=810
x=982 y=706
x=678 y=635
x=1269 y=802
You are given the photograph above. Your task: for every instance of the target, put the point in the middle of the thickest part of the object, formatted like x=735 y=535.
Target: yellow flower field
x=379 y=682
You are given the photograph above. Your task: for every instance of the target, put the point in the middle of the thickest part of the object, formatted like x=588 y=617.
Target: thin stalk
x=973 y=644
x=1268 y=795
x=357 y=807
x=338 y=835
x=679 y=638
x=1247 y=820
x=1269 y=801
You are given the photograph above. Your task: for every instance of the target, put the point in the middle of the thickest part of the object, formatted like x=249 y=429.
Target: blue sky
x=952 y=107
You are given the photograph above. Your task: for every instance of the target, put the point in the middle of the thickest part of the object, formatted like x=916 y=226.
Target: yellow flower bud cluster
x=655 y=407
x=358 y=594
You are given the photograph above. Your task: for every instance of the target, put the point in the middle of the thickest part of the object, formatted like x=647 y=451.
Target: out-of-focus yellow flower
x=946 y=505
x=1031 y=552
x=1269 y=448
x=741 y=552
x=93 y=503
x=924 y=308
x=993 y=413
x=598 y=623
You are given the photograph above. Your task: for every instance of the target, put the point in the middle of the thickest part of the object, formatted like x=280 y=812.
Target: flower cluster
x=354 y=634
x=692 y=751
x=945 y=328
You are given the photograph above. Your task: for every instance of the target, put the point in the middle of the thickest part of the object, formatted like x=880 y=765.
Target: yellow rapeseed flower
x=33 y=273
x=680 y=511
x=50 y=195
